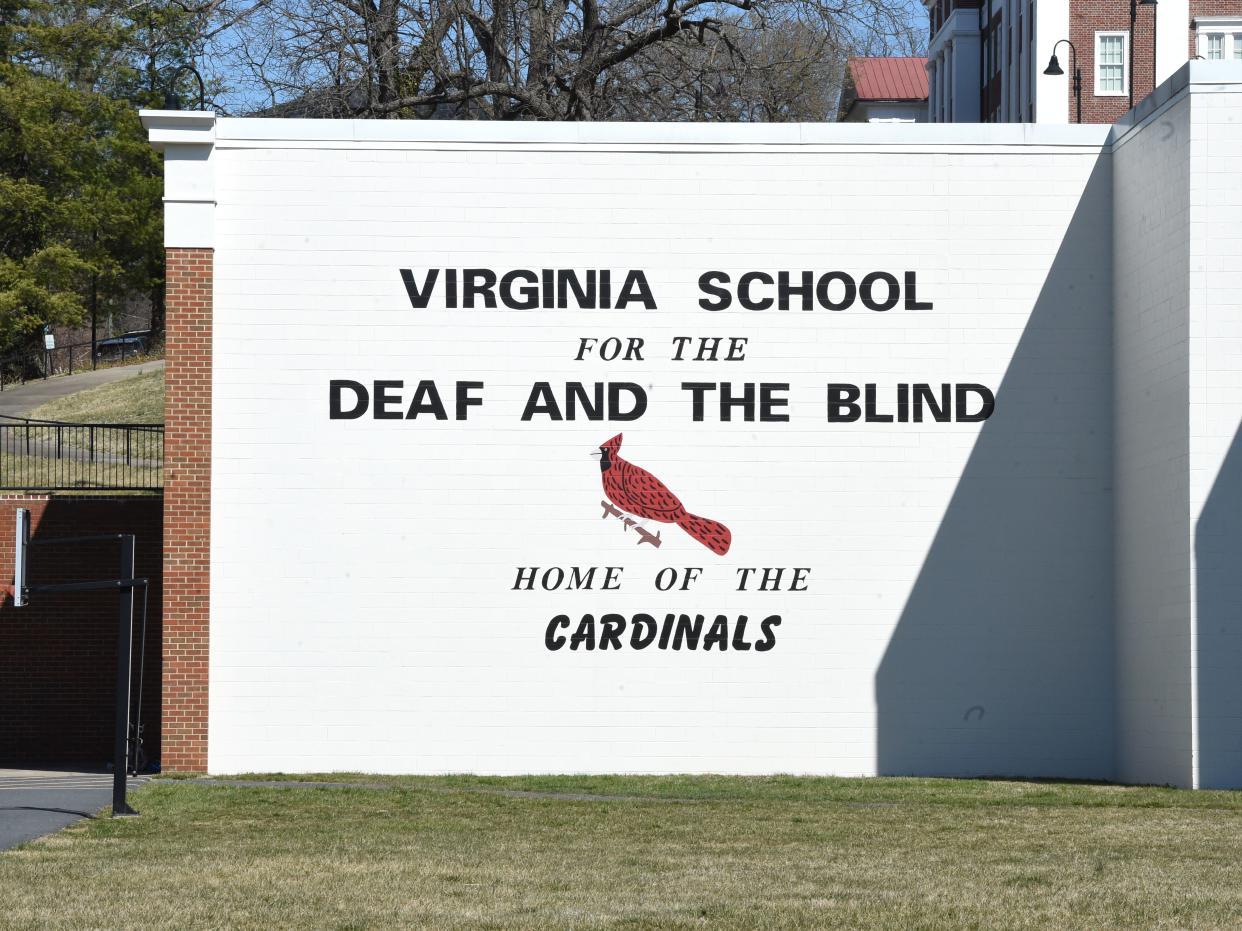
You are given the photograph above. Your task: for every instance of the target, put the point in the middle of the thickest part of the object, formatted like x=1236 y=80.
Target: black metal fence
x=22 y=367
x=47 y=455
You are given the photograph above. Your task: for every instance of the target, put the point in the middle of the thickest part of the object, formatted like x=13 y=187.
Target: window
x=1219 y=45
x=1111 y=79
x=1220 y=37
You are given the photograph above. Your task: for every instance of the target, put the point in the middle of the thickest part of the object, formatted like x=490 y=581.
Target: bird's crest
x=613 y=445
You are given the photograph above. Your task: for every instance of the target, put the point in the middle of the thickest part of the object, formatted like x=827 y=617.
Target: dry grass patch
x=133 y=400
x=676 y=852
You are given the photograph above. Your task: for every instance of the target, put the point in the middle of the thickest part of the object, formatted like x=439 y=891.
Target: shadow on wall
x=58 y=654
x=1218 y=582
x=1002 y=660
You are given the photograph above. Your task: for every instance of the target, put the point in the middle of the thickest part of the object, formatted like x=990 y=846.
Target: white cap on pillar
x=187 y=139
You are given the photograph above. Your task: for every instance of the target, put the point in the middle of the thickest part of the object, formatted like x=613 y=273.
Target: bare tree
x=556 y=59
x=779 y=72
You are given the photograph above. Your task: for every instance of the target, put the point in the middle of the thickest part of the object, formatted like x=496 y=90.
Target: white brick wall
x=1054 y=592
x=1179 y=455
x=362 y=616
x=1151 y=250
x=1215 y=343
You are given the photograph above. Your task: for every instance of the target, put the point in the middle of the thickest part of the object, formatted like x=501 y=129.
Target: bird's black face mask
x=605 y=461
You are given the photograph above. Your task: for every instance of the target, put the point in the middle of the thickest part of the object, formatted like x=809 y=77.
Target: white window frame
x=1125 y=62
x=1228 y=27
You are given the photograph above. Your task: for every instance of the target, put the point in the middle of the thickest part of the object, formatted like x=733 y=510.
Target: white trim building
x=986 y=58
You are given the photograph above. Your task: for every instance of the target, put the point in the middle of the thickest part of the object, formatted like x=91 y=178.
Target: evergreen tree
x=80 y=210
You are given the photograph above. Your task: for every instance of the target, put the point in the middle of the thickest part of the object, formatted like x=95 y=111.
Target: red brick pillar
x=187 y=507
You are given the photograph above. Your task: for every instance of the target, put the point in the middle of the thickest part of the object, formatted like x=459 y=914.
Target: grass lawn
x=135 y=400
x=639 y=853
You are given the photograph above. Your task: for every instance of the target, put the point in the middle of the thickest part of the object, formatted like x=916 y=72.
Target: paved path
x=20 y=400
x=38 y=802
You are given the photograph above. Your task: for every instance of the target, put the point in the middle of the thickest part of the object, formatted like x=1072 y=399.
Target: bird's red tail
x=712 y=534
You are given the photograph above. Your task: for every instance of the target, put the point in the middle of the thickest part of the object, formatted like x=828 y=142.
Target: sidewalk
x=38 y=802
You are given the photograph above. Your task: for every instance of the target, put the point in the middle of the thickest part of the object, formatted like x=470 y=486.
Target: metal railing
x=49 y=455
x=19 y=368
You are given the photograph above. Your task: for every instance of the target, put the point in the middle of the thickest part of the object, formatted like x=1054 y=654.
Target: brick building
x=988 y=59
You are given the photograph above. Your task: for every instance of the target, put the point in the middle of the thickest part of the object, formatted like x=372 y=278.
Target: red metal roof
x=890 y=78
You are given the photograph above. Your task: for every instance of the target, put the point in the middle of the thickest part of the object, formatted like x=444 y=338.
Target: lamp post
x=1054 y=69
x=1134 y=5
x=172 y=100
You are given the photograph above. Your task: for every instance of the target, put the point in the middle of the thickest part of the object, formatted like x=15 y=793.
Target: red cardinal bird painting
x=636 y=491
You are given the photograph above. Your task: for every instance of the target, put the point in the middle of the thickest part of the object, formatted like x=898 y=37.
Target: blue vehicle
x=123 y=346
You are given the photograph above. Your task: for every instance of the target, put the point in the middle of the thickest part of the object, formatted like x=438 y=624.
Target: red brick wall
x=1086 y=18
x=1209 y=8
x=187 y=503
x=58 y=654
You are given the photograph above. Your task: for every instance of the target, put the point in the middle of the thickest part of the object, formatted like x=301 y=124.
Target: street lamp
x=172 y=100
x=1134 y=5
x=1054 y=70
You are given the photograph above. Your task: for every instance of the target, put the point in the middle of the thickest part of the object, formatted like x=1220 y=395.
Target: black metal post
x=1130 y=40
x=94 y=314
x=1134 y=5
x=125 y=586
x=124 y=660
x=1154 y=40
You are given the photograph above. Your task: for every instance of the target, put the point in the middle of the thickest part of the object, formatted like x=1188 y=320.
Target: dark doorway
x=58 y=654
